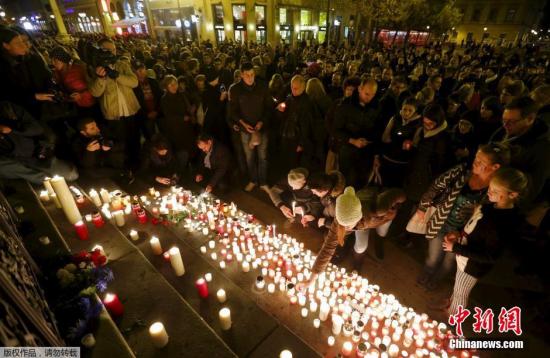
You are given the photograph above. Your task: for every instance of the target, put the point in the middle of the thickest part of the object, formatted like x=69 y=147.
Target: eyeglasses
x=512 y=122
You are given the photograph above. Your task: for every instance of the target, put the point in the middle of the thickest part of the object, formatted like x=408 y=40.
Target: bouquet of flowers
x=78 y=281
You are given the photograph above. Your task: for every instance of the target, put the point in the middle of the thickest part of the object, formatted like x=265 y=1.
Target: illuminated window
x=282 y=16
x=305 y=18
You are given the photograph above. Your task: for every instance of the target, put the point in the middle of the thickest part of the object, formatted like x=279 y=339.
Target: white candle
x=55 y=200
x=203 y=249
x=293 y=208
x=155 y=245
x=246 y=266
x=222 y=265
x=94 y=197
x=211 y=244
x=337 y=322
x=134 y=235
x=331 y=340
x=313 y=306
x=304 y=312
x=271 y=288
x=324 y=309
x=285 y=354
x=88 y=217
x=205 y=231
x=44 y=196
x=48 y=185
x=225 y=318
x=119 y=217
x=105 y=196
x=301 y=300
x=176 y=261
x=66 y=199
x=316 y=323
x=208 y=277
x=221 y=295
x=347 y=347
x=393 y=350
x=158 y=334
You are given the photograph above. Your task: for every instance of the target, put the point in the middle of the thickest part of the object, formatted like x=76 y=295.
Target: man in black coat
x=148 y=94
x=358 y=128
x=214 y=164
x=96 y=155
x=214 y=100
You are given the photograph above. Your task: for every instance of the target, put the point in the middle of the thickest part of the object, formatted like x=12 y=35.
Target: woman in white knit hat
x=352 y=215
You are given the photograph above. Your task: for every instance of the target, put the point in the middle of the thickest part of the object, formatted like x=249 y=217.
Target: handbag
x=417 y=225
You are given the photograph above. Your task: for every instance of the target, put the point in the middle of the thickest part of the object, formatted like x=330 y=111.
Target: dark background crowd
x=298 y=122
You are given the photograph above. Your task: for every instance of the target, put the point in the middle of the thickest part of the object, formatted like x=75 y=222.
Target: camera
x=104 y=142
x=96 y=56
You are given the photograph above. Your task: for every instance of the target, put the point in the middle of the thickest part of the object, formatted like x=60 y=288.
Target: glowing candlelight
x=158 y=335
x=221 y=295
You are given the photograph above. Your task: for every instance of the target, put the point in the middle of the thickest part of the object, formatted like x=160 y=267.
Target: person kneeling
x=160 y=163
x=214 y=164
x=293 y=197
x=96 y=155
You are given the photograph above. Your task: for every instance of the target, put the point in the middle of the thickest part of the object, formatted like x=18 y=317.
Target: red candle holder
x=166 y=256
x=113 y=304
x=202 y=287
x=80 y=200
x=97 y=219
x=142 y=216
x=136 y=207
x=81 y=230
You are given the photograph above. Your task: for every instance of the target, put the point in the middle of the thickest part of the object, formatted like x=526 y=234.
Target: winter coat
x=252 y=104
x=220 y=163
x=176 y=123
x=108 y=91
x=370 y=220
x=329 y=200
x=74 y=79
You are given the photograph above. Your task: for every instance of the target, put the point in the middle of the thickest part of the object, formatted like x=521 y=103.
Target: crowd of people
x=452 y=139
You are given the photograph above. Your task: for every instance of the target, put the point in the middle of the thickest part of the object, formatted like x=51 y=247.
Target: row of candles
x=372 y=323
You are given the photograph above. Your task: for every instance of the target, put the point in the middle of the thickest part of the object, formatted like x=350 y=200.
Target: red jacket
x=73 y=79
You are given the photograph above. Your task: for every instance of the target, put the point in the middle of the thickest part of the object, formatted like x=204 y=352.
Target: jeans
x=15 y=169
x=256 y=158
x=438 y=263
x=362 y=237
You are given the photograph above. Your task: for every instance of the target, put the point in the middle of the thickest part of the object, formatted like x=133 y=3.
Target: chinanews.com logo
x=509 y=321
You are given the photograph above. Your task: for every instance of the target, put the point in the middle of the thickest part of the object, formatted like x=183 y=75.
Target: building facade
x=498 y=20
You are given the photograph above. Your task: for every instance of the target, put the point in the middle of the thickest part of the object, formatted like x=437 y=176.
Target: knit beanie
x=348 y=208
x=297 y=177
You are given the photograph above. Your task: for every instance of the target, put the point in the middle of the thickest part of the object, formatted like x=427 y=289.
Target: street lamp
x=428 y=27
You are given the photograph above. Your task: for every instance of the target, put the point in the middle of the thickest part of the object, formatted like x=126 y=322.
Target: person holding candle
x=214 y=164
x=294 y=197
x=160 y=163
x=491 y=227
x=352 y=216
x=327 y=187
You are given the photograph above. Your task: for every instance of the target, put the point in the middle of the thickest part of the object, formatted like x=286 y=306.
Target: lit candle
x=324 y=309
x=142 y=216
x=316 y=323
x=158 y=335
x=119 y=217
x=48 y=185
x=203 y=249
x=202 y=287
x=66 y=199
x=97 y=219
x=94 y=197
x=44 y=196
x=113 y=305
x=347 y=348
x=304 y=312
x=225 y=318
x=293 y=208
x=81 y=230
x=221 y=295
x=246 y=266
x=176 y=261
x=331 y=340
x=134 y=235
x=105 y=196
x=155 y=245
x=337 y=323
x=208 y=277
x=222 y=265
x=88 y=217
x=260 y=282
x=100 y=249
x=285 y=354
x=271 y=288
